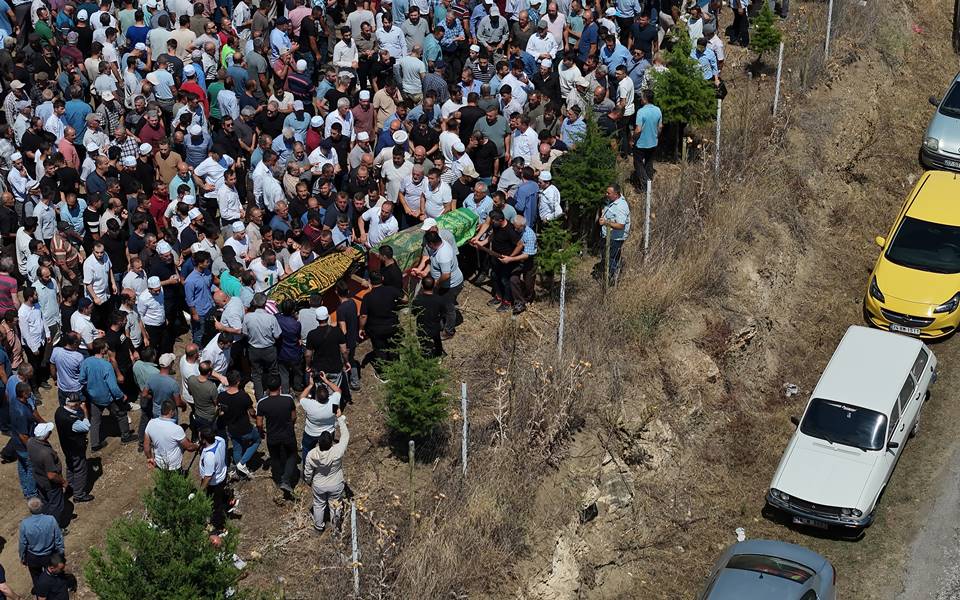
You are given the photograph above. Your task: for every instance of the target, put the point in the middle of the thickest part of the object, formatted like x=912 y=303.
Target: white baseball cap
x=153 y=282
x=82 y=15
x=428 y=224
x=364 y=94
x=194 y=213
x=322 y=313
x=195 y=129
x=167 y=359
x=298 y=105
x=145 y=149
x=494 y=11
x=164 y=248
x=237 y=227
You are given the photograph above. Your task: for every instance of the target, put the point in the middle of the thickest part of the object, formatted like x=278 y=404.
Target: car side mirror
x=880 y=241
x=893 y=445
x=795 y=420
x=933 y=100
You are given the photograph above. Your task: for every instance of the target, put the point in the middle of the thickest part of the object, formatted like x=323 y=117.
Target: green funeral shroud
x=408 y=244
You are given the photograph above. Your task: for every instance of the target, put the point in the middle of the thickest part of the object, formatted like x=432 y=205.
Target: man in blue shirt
x=573 y=127
x=614 y=221
x=76 y=113
x=522 y=272
x=525 y=200
x=100 y=382
x=23 y=420
x=707 y=60
x=647 y=133
x=588 y=37
x=613 y=54
x=198 y=288
x=39 y=536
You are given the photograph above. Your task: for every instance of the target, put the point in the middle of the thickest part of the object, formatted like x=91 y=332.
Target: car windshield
x=840 y=423
x=771 y=565
x=926 y=246
x=951 y=102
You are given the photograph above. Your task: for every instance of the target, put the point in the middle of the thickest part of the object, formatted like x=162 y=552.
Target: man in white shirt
x=99 y=283
x=525 y=141
x=217 y=351
x=228 y=199
x=210 y=173
x=542 y=44
x=82 y=325
x=437 y=198
x=164 y=440
x=266 y=269
x=189 y=366
x=34 y=332
x=238 y=241
x=391 y=38
x=625 y=93
x=150 y=307
x=548 y=203
x=345 y=54
x=382 y=224
x=343 y=116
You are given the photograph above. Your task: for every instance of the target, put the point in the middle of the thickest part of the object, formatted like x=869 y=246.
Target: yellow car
x=915 y=286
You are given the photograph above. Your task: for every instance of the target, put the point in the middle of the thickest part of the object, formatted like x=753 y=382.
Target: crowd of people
x=163 y=164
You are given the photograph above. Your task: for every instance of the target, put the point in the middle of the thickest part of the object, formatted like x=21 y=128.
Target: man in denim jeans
x=23 y=420
x=236 y=412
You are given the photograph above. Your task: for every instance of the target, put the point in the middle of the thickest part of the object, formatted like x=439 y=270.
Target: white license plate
x=902 y=329
x=952 y=164
x=810 y=522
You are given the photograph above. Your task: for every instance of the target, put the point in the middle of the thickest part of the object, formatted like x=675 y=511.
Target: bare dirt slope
x=700 y=417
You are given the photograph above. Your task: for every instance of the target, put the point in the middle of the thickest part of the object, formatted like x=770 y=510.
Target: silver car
x=941 y=142
x=763 y=569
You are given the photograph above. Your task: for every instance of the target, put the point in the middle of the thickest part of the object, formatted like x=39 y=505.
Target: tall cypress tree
x=168 y=554
x=583 y=174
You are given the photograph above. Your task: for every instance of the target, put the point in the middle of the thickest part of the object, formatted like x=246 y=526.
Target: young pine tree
x=168 y=554
x=556 y=247
x=681 y=92
x=766 y=36
x=583 y=174
x=415 y=403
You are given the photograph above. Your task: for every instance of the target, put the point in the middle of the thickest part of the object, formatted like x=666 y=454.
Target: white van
x=853 y=430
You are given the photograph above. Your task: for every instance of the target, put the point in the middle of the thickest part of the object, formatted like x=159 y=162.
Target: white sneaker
x=243 y=469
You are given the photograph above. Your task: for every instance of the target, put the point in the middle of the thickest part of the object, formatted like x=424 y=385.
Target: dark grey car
x=763 y=570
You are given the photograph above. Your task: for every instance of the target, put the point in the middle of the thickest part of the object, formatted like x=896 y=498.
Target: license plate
x=902 y=329
x=810 y=522
x=952 y=164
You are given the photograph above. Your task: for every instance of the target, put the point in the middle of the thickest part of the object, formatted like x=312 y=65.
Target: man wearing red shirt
x=191 y=85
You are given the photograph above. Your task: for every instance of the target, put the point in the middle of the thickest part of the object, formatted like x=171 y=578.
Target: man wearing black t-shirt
x=236 y=411
x=348 y=321
x=379 y=318
x=327 y=350
x=503 y=240
x=429 y=309
x=276 y=416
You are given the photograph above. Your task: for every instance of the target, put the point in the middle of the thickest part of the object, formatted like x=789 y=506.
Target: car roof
x=738 y=584
x=799 y=554
x=868 y=368
x=935 y=198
